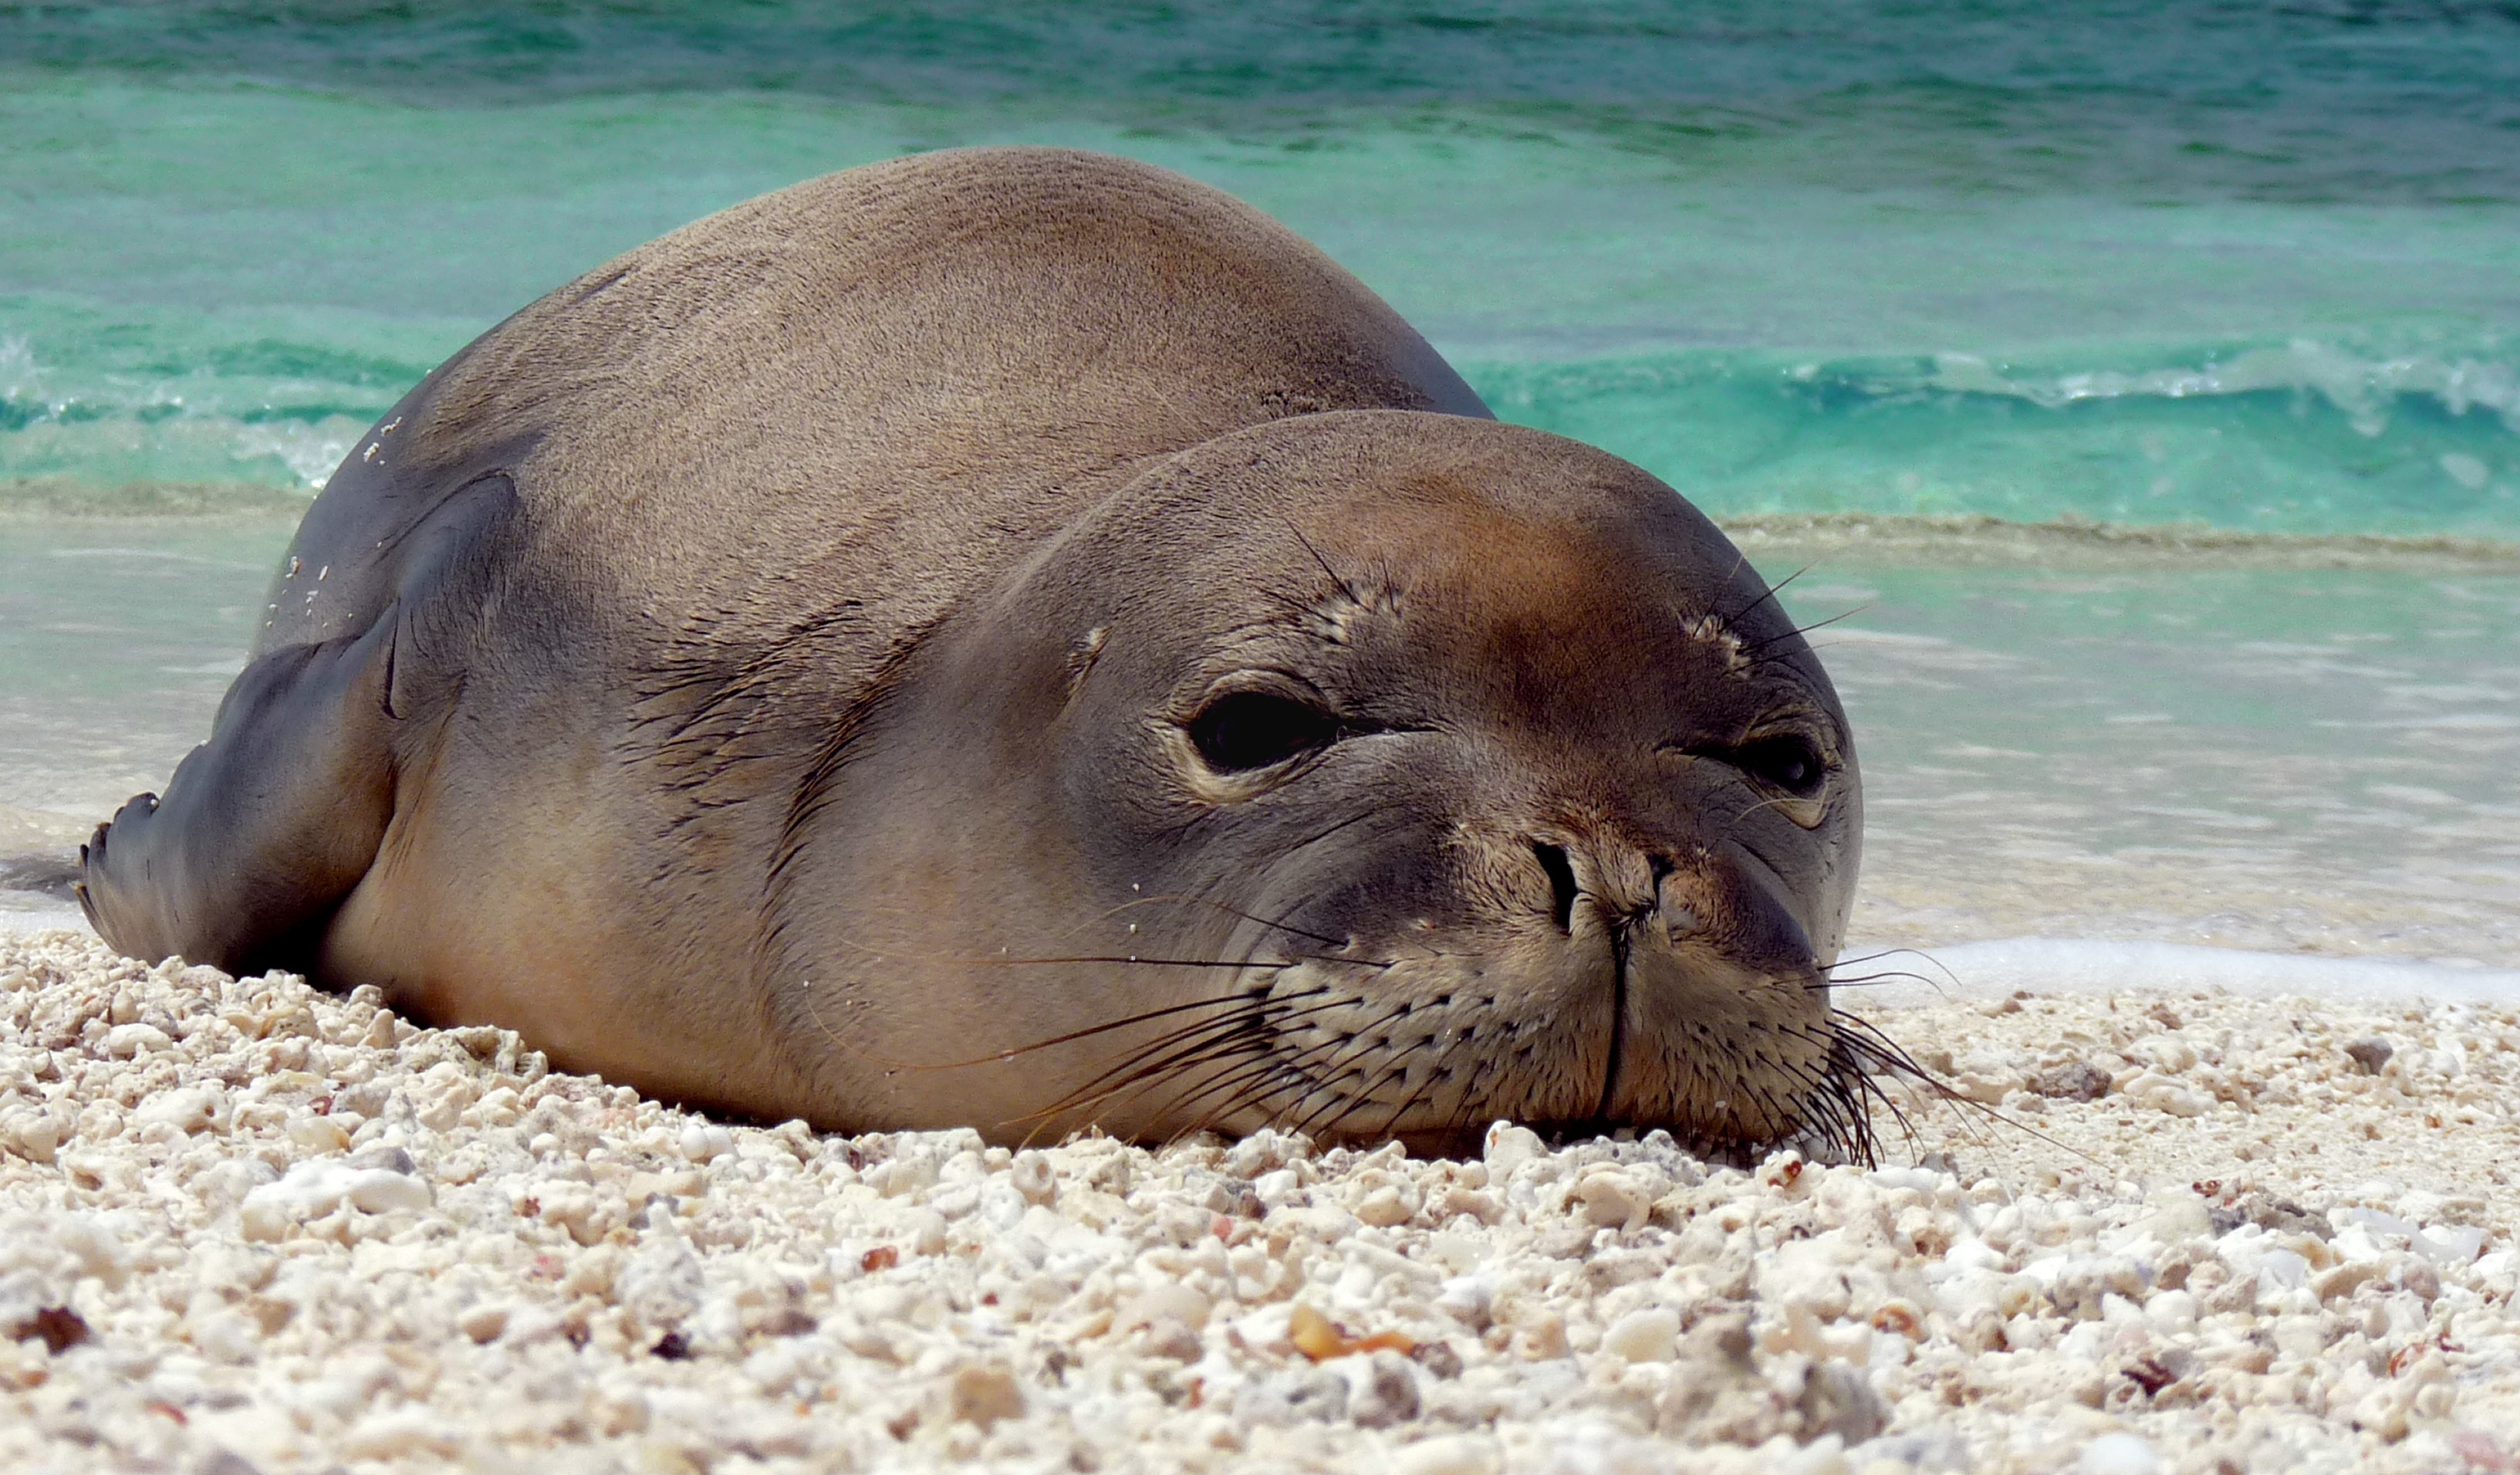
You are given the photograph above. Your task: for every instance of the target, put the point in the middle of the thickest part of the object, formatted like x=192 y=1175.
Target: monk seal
x=1017 y=639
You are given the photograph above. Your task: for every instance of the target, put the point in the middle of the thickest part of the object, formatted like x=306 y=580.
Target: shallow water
x=2254 y=272
x=2133 y=264
x=2175 y=746
x=2184 y=748
x=117 y=640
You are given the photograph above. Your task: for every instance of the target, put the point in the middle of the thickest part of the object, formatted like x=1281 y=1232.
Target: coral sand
x=248 y=1226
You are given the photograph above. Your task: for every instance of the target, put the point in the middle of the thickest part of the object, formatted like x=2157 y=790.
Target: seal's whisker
x=1774 y=590
x=1868 y=981
x=1400 y=1064
x=1275 y=1063
x=1246 y=1000
x=1838 y=1101
x=1434 y=1073
x=1232 y=912
x=1235 y=1051
x=1297 y=1067
x=813 y=1012
x=1288 y=1070
x=1336 y=578
x=1164 y=1053
x=1121 y=960
x=1262 y=1029
x=1150 y=1063
x=1863 y=1035
x=1867 y=1040
x=1134 y=960
x=1258 y=1084
x=1361 y=1041
x=1242 y=998
x=1255 y=1062
x=1284 y=1079
x=1874 y=1095
x=1965 y=1106
x=1339 y=1069
x=1240 y=1059
x=1841 y=1087
x=1868 y=957
x=1753 y=649
x=1778 y=804
x=1875 y=957
x=1350 y=1102
x=1125 y=1080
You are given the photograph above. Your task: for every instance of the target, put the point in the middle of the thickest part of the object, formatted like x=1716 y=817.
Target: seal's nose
x=1562 y=886
x=1620 y=884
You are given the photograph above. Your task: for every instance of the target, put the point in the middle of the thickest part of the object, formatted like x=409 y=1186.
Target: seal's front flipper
x=267 y=826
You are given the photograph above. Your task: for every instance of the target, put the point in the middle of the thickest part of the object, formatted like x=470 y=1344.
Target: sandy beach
x=249 y=1227
x=2123 y=400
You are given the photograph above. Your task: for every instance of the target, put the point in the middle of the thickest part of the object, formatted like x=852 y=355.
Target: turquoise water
x=2249 y=272
x=2124 y=263
x=2073 y=738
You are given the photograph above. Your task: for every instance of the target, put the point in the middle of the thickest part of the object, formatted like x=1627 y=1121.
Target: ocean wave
x=2299 y=437
x=172 y=422
x=2366 y=389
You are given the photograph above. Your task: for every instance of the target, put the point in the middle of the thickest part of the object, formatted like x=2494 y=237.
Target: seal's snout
x=1607 y=891
x=1674 y=972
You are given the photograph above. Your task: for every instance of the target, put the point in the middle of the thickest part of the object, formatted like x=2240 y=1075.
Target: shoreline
x=2209 y=1232
x=1933 y=538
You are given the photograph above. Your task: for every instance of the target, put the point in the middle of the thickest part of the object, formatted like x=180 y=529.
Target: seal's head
x=1374 y=773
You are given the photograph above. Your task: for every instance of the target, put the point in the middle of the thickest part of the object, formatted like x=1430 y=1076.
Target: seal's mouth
x=1431 y=1048
x=1722 y=1105
x=1562 y=975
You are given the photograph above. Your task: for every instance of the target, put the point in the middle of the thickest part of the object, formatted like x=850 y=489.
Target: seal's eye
x=1244 y=731
x=1789 y=761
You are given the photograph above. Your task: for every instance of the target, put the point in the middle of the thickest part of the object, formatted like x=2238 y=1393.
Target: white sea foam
x=2366 y=389
x=2085 y=965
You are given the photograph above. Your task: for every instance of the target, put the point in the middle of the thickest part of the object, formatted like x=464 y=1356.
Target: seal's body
x=1017 y=638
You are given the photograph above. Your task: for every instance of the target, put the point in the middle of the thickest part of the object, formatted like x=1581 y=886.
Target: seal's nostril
x=1662 y=868
x=1561 y=881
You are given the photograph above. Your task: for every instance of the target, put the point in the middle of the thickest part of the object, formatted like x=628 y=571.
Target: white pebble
x=192 y=1109
x=1031 y=1176
x=1452 y=1454
x=311 y=1191
x=2120 y=1455
x=1643 y=1336
x=1509 y=1147
x=124 y=1042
